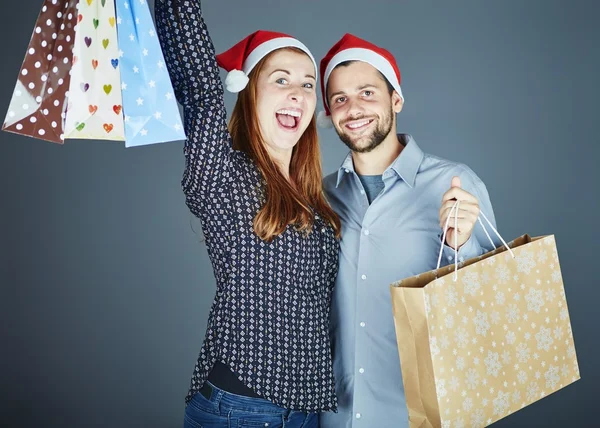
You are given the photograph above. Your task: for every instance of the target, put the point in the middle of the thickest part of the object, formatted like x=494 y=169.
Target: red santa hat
x=352 y=48
x=240 y=59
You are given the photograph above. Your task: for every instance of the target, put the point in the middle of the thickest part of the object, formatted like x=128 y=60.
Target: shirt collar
x=406 y=165
x=346 y=167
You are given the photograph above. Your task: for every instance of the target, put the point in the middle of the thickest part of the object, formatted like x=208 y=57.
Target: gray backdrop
x=106 y=285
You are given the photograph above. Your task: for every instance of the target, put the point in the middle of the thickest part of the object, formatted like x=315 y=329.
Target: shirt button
x=462 y=259
x=367 y=232
x=347 y=170
x=362 y=324
x=361 y=370
x=449 y=257
x=362 y=192
x=364 y=277
x=323 y=230
x=358 y=416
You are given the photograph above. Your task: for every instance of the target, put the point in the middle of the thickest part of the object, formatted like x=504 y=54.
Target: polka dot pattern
x=43 y=80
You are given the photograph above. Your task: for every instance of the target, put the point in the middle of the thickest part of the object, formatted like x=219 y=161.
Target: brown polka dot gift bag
x=39 y=100
x=94 y=69
x=481 y=339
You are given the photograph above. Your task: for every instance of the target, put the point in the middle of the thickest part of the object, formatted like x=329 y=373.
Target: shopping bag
x=38 y=102
x=151 y=111
x=77 y=82
x=482 y=339
x=95 y=104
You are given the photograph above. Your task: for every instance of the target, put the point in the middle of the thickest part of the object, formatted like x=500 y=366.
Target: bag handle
x=455 y=208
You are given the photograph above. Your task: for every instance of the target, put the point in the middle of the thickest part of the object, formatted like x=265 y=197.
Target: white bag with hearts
x=94 y=109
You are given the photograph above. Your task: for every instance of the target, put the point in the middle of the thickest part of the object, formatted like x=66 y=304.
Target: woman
x=271 y=236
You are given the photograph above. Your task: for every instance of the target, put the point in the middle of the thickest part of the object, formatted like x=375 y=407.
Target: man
x=393 y=201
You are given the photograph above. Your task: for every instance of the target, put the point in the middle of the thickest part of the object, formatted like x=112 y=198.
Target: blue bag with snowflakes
x=150 y=110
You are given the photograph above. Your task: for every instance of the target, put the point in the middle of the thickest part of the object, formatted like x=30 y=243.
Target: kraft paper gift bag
x=484 y=338
x=38 y=102
x=95 y=107
x=151 y=111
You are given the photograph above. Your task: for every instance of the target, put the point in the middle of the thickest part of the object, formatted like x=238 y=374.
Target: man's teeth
x=355 y=125
x=289 y=113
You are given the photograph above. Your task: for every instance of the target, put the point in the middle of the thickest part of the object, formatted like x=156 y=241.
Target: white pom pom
x=236 y=80
x=323 y=120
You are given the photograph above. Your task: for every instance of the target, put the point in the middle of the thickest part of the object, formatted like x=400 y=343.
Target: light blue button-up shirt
x=395 y=237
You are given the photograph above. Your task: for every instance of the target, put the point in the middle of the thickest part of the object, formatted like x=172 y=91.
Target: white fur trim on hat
x=324 y=120
x=236 y=80
x=368 y=56
x=269 y=46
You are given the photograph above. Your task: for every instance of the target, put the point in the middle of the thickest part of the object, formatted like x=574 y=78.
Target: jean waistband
x=224 y=400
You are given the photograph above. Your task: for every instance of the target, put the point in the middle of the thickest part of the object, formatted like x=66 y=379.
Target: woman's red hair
x=286 y=201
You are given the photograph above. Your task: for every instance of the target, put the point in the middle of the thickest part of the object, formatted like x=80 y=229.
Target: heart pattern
x=98 y=67
x=95 y=72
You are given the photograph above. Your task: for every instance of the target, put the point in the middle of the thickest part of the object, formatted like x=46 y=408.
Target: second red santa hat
x=352 y=48
x=240 y=59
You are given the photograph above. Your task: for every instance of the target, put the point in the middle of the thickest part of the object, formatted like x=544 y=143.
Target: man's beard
x=379 y=134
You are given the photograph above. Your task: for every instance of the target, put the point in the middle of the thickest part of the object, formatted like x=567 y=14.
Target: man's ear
x=397 y=102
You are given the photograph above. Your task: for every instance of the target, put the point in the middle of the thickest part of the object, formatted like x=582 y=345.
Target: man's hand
x=468 y=212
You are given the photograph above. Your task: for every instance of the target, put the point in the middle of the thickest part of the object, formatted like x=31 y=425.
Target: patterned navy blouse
x=269 y=321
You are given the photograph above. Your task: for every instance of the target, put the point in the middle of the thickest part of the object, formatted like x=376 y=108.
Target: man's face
x=362 y=109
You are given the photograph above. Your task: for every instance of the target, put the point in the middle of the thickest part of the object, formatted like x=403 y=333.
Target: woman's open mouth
x=289 y=119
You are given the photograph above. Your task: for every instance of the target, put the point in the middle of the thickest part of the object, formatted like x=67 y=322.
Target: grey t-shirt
x=373 y=185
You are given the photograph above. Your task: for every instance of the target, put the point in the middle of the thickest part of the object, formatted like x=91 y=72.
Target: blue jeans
x=225 y=410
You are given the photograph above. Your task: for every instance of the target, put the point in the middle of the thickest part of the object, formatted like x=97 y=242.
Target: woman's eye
x=309 y=85
x=281 y=81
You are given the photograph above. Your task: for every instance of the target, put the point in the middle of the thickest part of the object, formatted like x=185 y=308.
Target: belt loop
x=286 y=416
x=229 y=419
x=305 y=420
x=218 y=395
